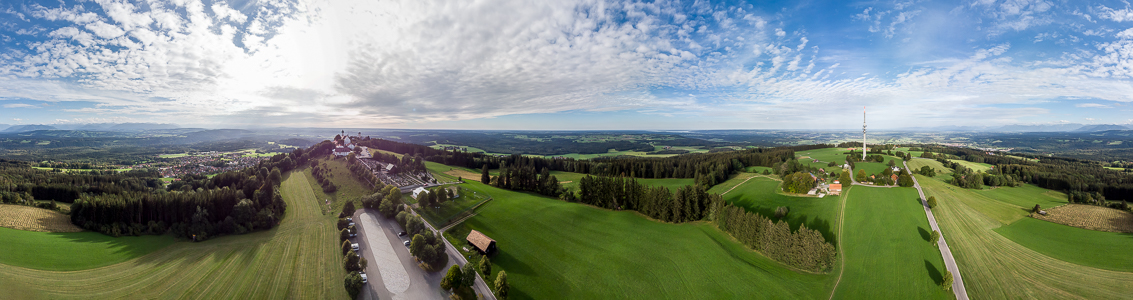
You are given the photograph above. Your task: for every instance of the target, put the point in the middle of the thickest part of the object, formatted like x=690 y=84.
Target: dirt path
x=841 y=250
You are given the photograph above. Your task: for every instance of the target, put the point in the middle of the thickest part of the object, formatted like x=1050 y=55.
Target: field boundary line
x=841 y=251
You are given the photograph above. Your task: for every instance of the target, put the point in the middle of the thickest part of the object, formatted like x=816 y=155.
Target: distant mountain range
x=1068 y=127
x=90 y=127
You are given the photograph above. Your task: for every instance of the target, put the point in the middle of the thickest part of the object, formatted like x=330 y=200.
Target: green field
x=558 y=250
x=826 y=155
x=760 y=195
x=978 y=167
x=984 y=256
x=298 y=259
x=873 y=168
x=1099 y=249
x=941 y=171
x=888 y=255
x=70 y=251
x=349 y=187
x=440 y=215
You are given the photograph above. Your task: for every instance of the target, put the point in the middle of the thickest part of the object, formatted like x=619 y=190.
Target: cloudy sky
x=565 y=64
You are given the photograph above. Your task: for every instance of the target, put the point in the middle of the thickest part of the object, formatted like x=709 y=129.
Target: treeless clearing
x=1090 y=217
x=35 y=219
x=463 y=174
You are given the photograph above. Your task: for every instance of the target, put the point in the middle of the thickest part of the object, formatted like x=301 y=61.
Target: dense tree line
x=19 y=177
x=804 y=249
x=689 y=203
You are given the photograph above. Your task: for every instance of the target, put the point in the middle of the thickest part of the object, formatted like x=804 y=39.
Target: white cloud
x=1116 y=15
x=19 y=105
x=1092 y=105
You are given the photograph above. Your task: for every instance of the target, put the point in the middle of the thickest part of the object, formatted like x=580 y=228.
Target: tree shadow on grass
x=513 y=265
x=933 y=273
x=924 y=233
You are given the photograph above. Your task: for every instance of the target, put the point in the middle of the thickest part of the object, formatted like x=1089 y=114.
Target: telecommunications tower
x=863 y=134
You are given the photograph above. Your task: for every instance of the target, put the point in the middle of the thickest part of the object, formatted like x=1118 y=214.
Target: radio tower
x=863 y=134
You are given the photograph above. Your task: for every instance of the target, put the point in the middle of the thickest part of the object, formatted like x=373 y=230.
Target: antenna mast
x=863 y=134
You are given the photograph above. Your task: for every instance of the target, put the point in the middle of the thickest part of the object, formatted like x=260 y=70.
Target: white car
x=363 y=276
x=354 y=246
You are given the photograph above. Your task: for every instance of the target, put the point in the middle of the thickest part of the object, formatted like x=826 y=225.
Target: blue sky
x=566 y=64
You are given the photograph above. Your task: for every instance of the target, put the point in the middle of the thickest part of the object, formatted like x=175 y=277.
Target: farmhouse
x=341 y=151
x=483 y=243
x=836 y=189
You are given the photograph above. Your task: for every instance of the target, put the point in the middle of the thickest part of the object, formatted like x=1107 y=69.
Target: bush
x=946 y=284
x=485 y=267
x=1036 y=209
x=353 y=284
x=781 y=212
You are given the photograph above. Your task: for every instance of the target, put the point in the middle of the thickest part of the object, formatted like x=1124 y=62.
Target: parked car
x=354 y=246
x=351 y=223
x=350 y=220
x=401 y=233
x=353 y=235
x=406 y=244
x=363 y=276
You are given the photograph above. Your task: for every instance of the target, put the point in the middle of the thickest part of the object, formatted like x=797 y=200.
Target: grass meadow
x=297 y=259
x=996 y=267
x=555 y=249
x=1098 y=249
x=70 y=251
x=760 y=195
x=887 y=252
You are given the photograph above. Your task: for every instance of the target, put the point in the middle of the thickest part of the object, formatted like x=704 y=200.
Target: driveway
x=392 y=273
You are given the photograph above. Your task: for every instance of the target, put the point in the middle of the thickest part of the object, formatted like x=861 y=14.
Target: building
x=836 y=189
x=418 y=191
x=483 y=243
x=341 y=151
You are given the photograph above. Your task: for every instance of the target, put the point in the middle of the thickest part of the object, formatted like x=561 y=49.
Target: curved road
x=949 y=262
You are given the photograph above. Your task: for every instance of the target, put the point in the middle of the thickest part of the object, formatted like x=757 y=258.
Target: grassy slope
x=440 y=215
x=73 y=250
x=971 y=165
x=995 y=267
x=1026 y=196
x=941 y=171
x=554 y=249
x=1103 y=250
x=888 y=255
x=759 y=195
x=297 y=259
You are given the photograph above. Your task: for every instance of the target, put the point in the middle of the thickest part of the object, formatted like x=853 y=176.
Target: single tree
x=1036 y=209
x=934 y=237
x=345 y=247
x=469 y=271
x=350 y=261
x=362 y=263
x=861 y=177
x=502 y=287
x=844 y=178
x=947 y=282
x=387 y=208
x=485 y=266
x=417 y=245
x=344 y=234
x=484 y=177
x=353 y=284
x=931 y=201
x=452 y=279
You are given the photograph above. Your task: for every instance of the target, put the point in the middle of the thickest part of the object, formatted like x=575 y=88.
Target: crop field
x=1090 y=217
x=888 y=255
x=1103 y=250
x=551 y=249
x=979 y=167
x=297 y=259
x=761 y=195
x=35 y=219
x=984 y=256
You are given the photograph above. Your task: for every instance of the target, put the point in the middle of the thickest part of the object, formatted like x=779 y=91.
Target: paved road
x=422 y=285
x=949 y=262
x=454 y=256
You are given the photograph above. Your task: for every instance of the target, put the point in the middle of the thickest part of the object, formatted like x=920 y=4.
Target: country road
x=949 y=262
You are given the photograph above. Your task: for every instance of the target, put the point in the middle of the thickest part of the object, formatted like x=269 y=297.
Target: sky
x=566 y=64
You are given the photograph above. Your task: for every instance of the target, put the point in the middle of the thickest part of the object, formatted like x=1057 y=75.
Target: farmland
x=941 y=171
x=297 y=259
x=1103 y=250
x=552 y=252
x=1090 y=217
x=887 y=253
x=984 y=256
x=72 y=250
x=978 y=167
x=35 y=219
